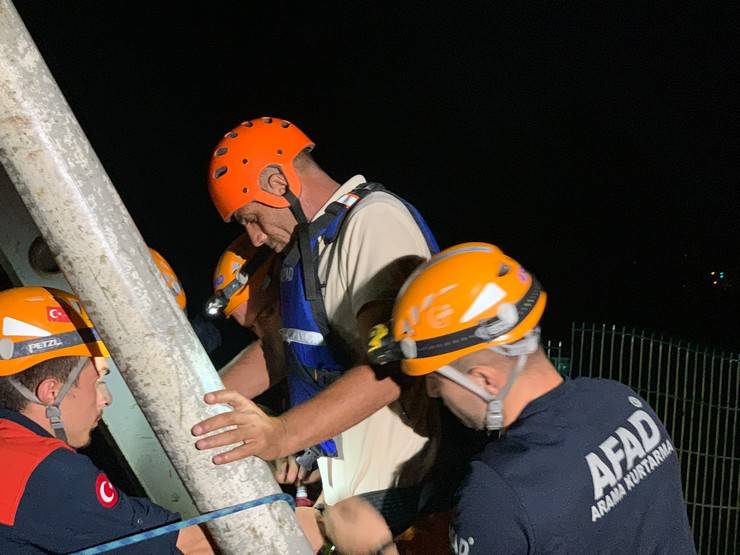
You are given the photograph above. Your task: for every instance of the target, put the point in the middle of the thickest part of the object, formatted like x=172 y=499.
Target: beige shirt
x=353 y=271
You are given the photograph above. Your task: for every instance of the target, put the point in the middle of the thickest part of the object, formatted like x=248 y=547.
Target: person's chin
x=85 y=441
x=472 y=423
x=82 y=442
x=467 y=420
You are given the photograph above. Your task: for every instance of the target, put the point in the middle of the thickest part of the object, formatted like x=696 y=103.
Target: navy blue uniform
x=54 y=500
x=586 y=468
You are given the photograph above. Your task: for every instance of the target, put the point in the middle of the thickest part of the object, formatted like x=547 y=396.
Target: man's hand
x=308 y=519
x=262 y=435
x=287 y=471
x=306 y=477
x=192 y=541
x=356 y=528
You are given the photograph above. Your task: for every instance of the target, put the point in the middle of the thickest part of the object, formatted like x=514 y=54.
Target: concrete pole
x=104 y=258
x=125 y=421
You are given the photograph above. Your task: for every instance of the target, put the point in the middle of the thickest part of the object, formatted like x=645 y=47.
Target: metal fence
x=695 y=390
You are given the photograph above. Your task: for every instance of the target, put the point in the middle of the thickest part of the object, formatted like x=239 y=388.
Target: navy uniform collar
x=24 y=421
x=544 y=401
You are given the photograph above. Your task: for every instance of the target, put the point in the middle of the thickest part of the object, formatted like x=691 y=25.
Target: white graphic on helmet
x=11 y=326
x=436 y=315
x=439 y=316
x=489 y=296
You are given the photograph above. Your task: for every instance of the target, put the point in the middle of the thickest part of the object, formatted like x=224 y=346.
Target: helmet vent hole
x=267 y=120
x=221 y=151
x=244 y=160
x=280 y=151
x=284 y=124
x=220 y=171
x=247 y=124
x=245 y=190
x=232 y=135
x=503 y=270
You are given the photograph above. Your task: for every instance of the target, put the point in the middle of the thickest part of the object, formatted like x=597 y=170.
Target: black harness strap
x=295 y=206
x=310 y=259
x=311 y=284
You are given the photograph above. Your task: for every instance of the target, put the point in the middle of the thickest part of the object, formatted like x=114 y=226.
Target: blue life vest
x=314 y=355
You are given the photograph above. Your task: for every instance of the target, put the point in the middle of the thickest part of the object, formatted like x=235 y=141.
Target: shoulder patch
x=105 y=492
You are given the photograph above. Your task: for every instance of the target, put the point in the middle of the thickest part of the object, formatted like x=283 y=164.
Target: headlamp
x=218 y=302
x=215 y=305
x=381 y=348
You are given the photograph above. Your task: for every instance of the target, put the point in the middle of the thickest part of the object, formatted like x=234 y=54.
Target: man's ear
x=486 y=377
x=48 y=390
x=275 y=182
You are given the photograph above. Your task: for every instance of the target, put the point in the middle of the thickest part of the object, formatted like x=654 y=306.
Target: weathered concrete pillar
x=104 y=258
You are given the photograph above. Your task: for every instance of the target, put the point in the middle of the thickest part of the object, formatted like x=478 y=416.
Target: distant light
x=714 y=282
x=712 y=273
x=721 y=275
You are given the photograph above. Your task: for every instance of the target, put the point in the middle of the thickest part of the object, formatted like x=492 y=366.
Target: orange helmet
x=41 y=323
x=242 y=270
x=465 y=298
x=170 y=279
x=242 y=155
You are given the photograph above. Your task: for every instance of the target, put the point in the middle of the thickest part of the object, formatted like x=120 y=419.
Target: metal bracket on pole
x=104 y=258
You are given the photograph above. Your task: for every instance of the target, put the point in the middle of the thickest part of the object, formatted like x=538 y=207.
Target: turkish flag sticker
x=105 y=492
x=56 y=314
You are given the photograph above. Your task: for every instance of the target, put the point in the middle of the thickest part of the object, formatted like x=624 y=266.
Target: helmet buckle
x=495 y=415
x=6 y=348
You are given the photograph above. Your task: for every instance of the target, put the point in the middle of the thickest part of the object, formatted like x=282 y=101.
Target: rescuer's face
x=82 y=407
x=266 y=225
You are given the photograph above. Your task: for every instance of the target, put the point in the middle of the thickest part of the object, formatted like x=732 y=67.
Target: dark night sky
x=596 y=146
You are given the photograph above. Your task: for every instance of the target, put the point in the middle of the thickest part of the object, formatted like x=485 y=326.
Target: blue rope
x=169 y=528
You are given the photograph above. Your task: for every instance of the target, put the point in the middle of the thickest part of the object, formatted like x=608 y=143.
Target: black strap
x=295 y=206
x=246 y=271
x=362 y=190
x=311 y=284
x=256 y=262
x=48 y=343
x=292 y=255
x=398 y=506
x=309 y=258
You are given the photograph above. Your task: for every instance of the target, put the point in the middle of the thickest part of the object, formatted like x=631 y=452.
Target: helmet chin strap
x=295 y=207
x=53 y=412
x=495 y=410
x=494 y=419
